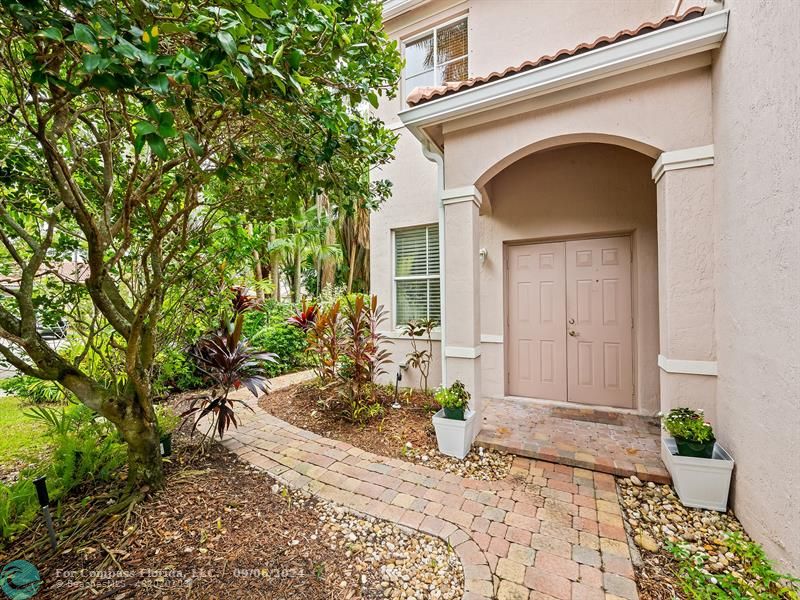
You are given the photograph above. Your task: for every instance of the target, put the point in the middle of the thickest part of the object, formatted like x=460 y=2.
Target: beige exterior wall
x=731 y=253
x=583 y=190
x=757 y=190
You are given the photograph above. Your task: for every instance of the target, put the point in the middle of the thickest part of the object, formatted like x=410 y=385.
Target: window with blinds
x=438 y=56
x=416 y=274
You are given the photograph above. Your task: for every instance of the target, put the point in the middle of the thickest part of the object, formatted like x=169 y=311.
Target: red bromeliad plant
x=232 y=363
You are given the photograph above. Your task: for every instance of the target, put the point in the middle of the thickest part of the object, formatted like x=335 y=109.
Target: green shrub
x=759 y=579
x=86 y=447
x=288 y=342
x=177 y=371
x=34 y=390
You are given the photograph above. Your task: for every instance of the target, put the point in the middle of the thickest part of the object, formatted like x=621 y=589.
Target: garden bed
x=715 y=552
x=406 y=432
x=224 y=529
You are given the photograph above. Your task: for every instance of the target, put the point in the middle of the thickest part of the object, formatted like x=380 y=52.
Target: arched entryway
x=569 y=279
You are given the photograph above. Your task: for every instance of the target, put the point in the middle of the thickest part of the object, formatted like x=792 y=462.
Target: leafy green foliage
x=85 y=447
x=456 y=396
x=758 y=578
x=34 y=390
x=689 y=424
x=129 y=130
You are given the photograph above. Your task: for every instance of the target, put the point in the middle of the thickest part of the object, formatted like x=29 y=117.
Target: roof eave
x=395 y=8
x=684 y=39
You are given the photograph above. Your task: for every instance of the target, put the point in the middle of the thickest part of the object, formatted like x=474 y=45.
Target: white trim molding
x=678 y=41
x=688 y=158
x=462 y=352
x=398 y=334
x=468 y=193
x=393 y=8
x=687 y=367
x=487 y=338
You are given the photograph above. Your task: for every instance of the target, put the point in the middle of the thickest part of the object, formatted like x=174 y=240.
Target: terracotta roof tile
x=421 y=95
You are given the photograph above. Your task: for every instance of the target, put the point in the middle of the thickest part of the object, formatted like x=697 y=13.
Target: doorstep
x=617 y=443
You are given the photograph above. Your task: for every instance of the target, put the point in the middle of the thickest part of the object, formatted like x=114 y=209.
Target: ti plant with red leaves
x=324 y=337
x=304 y=317
x=232 y=363
x=363 y=356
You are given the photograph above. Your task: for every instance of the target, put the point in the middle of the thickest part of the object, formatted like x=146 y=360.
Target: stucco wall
x=757 y=188
x=582 y=190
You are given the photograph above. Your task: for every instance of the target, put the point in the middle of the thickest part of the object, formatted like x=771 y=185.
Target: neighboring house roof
x=421 y=95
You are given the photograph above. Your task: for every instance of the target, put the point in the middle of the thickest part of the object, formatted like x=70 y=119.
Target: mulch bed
x=387 y=435
x=216 y=531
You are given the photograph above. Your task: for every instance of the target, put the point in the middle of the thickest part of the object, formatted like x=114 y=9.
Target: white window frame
x=432 y=31
x=395 y=278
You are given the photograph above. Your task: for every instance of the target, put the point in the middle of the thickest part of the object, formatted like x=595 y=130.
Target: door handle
x=573 y=333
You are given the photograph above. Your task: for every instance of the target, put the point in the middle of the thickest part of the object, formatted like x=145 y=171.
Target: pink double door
x=569 y=321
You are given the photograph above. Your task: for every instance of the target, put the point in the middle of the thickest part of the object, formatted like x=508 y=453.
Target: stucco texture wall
x=583 y=190
x=757 y=188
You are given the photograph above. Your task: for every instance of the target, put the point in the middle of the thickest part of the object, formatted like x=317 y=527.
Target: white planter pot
x=454 y=437
x=700 y=482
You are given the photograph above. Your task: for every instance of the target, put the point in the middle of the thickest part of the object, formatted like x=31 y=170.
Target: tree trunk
x=275 y=273
x=134 y=417
x=259 y=276
x=352 y=266
x=257 y=273
x=298 y=269
x=145 y=468
x=327 y=272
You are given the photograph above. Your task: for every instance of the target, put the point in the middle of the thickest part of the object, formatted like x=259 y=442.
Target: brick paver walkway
x=547 y=531
x=611 y=442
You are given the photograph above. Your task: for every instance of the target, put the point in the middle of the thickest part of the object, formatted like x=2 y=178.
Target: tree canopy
x=118 y=118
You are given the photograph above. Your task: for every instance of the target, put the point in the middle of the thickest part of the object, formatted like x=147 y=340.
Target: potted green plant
x=454 y=423
x=693 y=435
x=700 y=468
x=454 y=400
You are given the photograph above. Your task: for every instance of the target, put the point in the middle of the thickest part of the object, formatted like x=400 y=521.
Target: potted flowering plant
x=454 y=423
x=693 y=435
x=701 y=468
x=454 y=400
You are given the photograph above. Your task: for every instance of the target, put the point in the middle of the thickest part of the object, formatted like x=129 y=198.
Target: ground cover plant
x=23 y=440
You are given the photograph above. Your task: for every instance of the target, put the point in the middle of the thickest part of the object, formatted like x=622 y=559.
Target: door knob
x=571 y=321
x=573 y=333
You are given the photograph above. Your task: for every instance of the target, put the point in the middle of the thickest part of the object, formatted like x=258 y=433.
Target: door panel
x=599 y=344
x=536 y=316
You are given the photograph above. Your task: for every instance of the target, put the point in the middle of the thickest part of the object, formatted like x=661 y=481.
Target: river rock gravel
x=393 y=563
x=481 y=463
x=656 y=518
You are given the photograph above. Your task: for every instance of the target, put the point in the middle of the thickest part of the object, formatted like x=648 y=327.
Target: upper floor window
x=437 y=56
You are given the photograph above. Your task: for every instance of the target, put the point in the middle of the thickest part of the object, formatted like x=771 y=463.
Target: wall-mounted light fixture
x=483 y=254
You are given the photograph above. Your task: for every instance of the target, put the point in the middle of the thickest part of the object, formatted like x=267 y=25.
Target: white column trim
x=468 y=193
x=487 y=338
x=687 y=367
x=687 y=158
x=462 y=352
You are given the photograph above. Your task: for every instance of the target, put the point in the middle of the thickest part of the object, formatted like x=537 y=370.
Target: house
x=598 y=201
